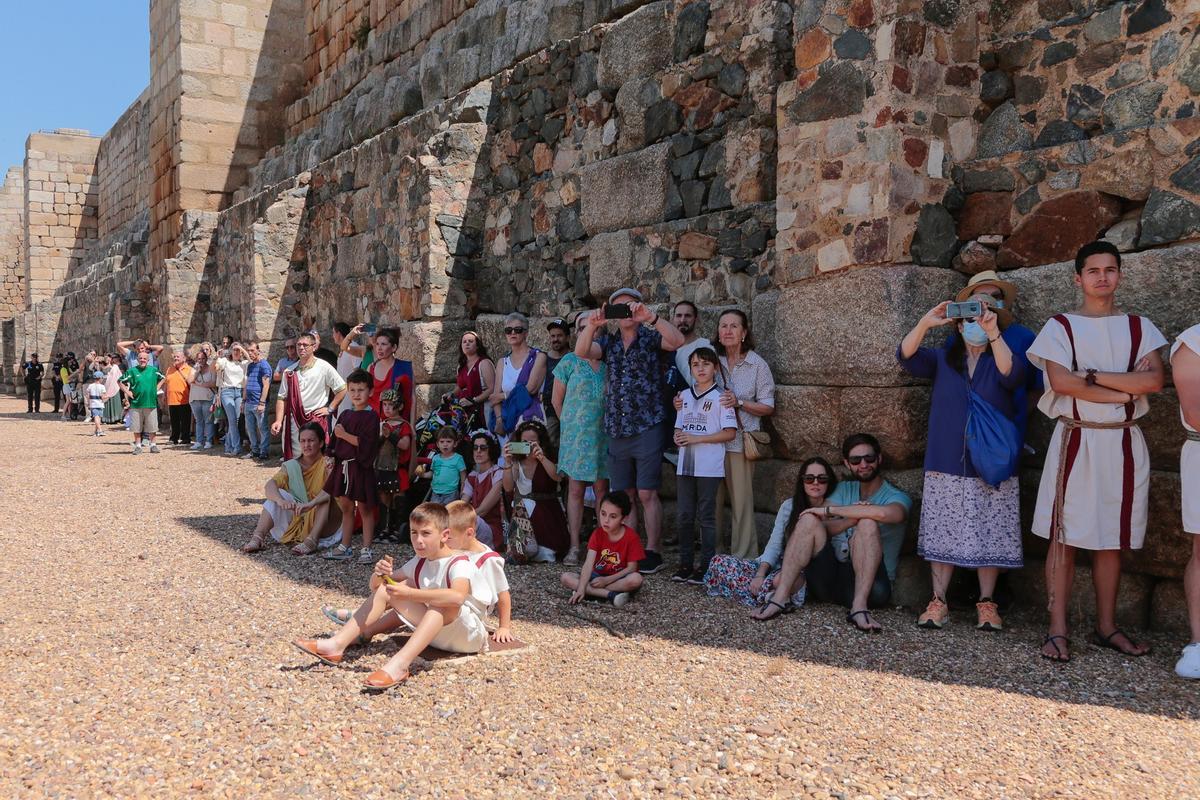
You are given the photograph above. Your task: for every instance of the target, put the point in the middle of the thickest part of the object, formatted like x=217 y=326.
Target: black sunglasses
x=510 y=331
x=479 y=447
x=856 y=460
x=810 y=478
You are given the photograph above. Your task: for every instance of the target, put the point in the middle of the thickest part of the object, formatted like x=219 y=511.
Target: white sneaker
x=137 y=449
x=571 y=559
x=101 y=433
x=1188 y=665
x=545 y=555
x=208 y=445
x=621 y=599
x=195 y=446
x=153 y=448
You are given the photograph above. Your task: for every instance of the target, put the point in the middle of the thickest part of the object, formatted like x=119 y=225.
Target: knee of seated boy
x=633 y=581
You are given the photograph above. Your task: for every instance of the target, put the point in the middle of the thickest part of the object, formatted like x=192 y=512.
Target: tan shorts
x=143 y=420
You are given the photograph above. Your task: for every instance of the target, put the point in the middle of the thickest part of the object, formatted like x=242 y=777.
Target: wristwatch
x=740 y=403
x=1090 y=377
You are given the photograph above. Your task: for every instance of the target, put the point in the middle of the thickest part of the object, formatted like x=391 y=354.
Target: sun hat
x=990 y=278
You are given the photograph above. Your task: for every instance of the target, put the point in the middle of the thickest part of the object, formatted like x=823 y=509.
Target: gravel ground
x=144 y=656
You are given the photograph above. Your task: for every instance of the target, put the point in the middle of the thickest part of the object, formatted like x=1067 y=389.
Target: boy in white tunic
x=1185 y=368
x=431 y=594
x=1100 y=365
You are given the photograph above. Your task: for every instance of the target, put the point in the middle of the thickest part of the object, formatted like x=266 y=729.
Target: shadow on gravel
x=716 y=632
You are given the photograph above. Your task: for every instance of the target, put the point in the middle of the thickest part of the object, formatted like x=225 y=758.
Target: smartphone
x=518 y=448
x=968 y=309
x=369 y=328
x=617 y=311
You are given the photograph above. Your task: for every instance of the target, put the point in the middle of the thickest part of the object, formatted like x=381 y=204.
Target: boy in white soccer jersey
x=702 y=426
x=431 y=594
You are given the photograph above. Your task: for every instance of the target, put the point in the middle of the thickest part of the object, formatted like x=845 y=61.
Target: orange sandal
x=310 y=646
x=380 y=681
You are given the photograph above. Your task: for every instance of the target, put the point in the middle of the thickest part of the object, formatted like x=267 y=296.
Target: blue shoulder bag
x=992 y=440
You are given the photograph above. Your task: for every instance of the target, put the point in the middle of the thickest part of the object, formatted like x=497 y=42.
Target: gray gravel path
x=143 y=656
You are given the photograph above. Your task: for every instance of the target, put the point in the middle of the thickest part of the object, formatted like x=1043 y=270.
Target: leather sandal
x=310 y=646
x=866 y=627
x=305 y=548
x=255 y=544
x=1100 y=640
x=380 y=681
x=1060 y=656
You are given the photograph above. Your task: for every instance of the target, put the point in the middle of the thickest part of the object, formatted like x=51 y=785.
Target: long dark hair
x=480 y=349
x=315 y=428
x=799 y=498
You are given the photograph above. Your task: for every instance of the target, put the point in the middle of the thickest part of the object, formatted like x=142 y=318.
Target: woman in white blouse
x=231 y=379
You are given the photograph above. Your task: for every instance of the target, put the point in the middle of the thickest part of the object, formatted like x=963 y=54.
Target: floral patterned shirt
x=633 y=401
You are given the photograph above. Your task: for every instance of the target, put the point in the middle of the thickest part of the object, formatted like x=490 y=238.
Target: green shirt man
x=143 y=382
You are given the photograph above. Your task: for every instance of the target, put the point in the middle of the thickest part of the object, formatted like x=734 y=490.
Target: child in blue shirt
x=448 y=468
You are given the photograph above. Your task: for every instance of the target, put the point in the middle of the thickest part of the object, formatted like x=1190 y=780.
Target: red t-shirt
x=612 y=557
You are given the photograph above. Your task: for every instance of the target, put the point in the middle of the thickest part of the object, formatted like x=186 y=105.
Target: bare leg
x=653 y=509
x=1106 y=578
x=368 y=514
x=259 y=535
x=806 y=540
x=569 y=580
x=429 y=623
x=629 y=583
x=632 y=519
x=1060 y=574
x=865 y=554
x=575 y=490
x=987 y=581
x=389 y=622
x=346 y=505
x=1191 y=587
x=371 y=610
x=942 y=573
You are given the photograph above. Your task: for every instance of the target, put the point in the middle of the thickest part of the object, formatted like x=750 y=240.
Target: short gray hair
x=517 y=316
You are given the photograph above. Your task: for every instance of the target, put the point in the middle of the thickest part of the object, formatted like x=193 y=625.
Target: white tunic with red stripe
x=1108 y=471
x=1189 y=457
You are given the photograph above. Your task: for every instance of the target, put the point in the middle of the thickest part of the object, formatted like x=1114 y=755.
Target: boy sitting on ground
x=431 y=594
x=489 y=587
x=610 y=570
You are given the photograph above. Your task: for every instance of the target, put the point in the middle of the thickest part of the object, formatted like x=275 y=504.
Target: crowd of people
x=526 y=447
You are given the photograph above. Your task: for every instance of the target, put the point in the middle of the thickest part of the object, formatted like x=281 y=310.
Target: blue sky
x=68 y=64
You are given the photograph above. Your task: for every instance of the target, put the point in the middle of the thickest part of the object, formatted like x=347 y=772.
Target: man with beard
x=841 y=546
x=686 y=316
x=558 y=339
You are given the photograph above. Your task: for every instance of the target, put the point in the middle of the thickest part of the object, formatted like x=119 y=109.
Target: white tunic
x=1104 y=505
x=317 y=382
x=1189 y=458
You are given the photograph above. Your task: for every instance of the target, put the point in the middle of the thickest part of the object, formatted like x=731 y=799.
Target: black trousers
x=33 y=395
x=57 y=385
x=832 y=581
x=181 y=423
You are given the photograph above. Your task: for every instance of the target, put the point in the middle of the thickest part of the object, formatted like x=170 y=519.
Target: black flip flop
x=851 y=619
x=782 y=610
x=1100 y=640
x=1057 y=658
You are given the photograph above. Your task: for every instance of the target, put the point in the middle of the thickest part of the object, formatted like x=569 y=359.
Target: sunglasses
x=479 y=447
x=511 y=331
x=810 y=478
x=856 y=460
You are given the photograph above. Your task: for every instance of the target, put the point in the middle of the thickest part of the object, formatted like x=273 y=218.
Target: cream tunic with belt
x=1107 y=470
x=1189 y=458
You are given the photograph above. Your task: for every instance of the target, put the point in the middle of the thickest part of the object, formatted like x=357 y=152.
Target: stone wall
x=60 y=207
x=12 y=238
x=123 y=170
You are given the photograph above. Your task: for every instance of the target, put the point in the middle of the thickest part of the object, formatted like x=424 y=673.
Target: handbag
x=991 y=439
x=756 y=445
x=518 y=530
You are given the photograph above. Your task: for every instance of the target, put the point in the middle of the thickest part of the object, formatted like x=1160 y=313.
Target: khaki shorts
x=143 y=420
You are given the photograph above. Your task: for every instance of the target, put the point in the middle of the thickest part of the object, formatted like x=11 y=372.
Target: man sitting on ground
x=866 y=516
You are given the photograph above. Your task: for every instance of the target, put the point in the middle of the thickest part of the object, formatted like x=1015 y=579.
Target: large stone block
x=432 y=347
x=1133 y=600
x=610 y=263
x=1168 y=608
x=843 y=330
x=1163 y=284
x=635 y=46
x=626 y=191
x=1058 y=227
x=813 y=420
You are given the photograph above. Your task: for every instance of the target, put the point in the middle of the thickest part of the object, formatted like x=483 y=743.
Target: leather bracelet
x=993 y=341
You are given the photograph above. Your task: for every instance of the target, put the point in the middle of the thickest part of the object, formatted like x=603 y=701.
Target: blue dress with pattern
x=583 y=445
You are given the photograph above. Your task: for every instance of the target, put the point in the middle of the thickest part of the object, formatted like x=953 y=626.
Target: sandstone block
x=626 y=191
x=1058 y=227
x=1168 y=608
x=635 y=46
x=808 y=346
x=1133 y=599
x=985 y=213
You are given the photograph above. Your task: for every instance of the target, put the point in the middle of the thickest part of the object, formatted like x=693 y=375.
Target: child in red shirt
x=610 y=570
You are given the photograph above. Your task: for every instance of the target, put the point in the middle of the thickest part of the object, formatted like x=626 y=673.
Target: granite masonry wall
x=835 y=167
x=12 y=238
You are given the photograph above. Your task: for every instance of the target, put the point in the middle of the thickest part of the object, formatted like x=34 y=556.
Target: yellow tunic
x=314 y=482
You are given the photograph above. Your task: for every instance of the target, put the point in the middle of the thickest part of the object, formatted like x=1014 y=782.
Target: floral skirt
x=729 y=576
x=967 y=523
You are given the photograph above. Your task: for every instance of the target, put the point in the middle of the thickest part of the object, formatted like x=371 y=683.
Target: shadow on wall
x=817 y=634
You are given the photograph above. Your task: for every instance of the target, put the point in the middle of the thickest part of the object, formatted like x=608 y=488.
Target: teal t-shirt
x=143 y=382
x=891 y=534
x=445 y=473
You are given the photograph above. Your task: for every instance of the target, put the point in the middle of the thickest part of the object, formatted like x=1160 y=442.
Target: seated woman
x=482 y=489
x=752 y=581
x=532 y=478
x=297 y=510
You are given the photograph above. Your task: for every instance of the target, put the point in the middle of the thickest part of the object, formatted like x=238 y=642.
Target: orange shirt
x=177 y=386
